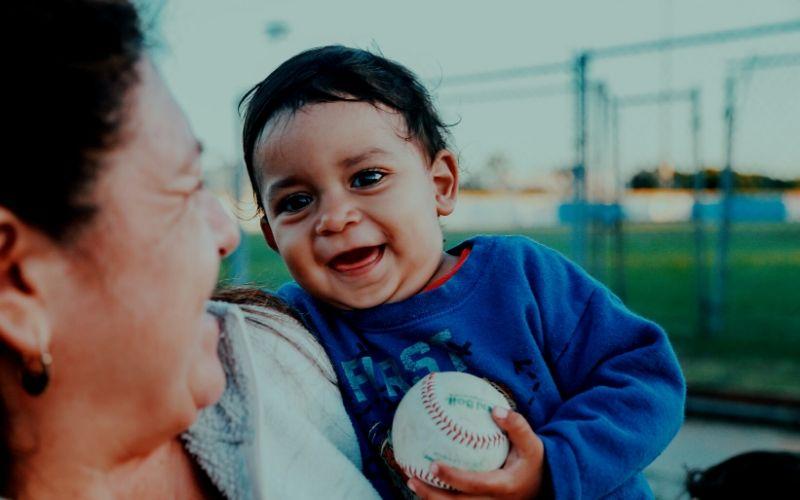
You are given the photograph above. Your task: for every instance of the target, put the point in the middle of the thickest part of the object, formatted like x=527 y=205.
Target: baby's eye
x=366 y=178
x=293 y=203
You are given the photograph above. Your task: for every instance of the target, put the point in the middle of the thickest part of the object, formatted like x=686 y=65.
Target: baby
x=351 y=170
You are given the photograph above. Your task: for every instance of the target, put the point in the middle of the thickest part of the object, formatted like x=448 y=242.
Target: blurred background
x=655 y=142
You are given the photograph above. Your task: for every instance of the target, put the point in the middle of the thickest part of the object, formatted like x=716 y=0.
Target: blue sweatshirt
x=598 y=384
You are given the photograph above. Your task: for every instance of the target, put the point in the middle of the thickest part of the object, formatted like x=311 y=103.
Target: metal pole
x=579 y=170
x=727 y=181
x=663 y=44
x=502 y=74
x=697 y=218
x=698 y=39
x=606 y=224
x=618 y=229
x=717 y=321
x=692 y=95
x=596 y=229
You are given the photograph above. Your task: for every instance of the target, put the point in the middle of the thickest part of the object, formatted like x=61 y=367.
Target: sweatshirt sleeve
x=623 y=396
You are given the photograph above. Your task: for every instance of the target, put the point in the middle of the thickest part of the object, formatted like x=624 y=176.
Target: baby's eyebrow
x=354 y=160
x=280 y=184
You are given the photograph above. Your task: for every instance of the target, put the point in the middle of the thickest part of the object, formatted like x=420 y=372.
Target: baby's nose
x=336 y=218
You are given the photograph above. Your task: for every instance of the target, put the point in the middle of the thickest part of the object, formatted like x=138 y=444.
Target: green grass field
x=759 y=349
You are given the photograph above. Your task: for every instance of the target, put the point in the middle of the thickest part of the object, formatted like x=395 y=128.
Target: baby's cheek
x=308 y=274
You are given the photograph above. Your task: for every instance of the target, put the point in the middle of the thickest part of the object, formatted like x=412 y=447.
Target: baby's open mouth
x=356 y=259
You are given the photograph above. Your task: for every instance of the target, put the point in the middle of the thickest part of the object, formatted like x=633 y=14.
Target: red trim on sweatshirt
x=449 y=274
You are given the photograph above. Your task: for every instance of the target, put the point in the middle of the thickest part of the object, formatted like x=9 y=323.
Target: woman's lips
x=357 y=261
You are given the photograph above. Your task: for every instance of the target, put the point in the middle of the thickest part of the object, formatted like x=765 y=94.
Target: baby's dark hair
x=337 y=73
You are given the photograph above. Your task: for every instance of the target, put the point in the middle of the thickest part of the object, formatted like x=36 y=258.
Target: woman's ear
x=266 y=230
x=23 y=321
x=444 y=173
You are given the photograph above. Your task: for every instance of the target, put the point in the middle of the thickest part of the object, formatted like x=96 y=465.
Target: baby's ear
x=267 y=232
x=444 y=174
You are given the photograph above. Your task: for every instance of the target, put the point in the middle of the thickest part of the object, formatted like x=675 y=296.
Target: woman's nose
x=225 y=229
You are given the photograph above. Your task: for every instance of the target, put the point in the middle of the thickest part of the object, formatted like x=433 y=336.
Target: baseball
x=446 y=417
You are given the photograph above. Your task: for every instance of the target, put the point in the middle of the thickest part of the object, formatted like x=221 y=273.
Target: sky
x=211 y=52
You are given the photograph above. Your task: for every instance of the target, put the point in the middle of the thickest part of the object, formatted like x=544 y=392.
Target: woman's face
x=130 y=336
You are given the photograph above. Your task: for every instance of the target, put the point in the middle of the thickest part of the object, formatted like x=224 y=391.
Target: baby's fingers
x=491 y=483
x=520 y=476
x=525 y=442
x=427 y=492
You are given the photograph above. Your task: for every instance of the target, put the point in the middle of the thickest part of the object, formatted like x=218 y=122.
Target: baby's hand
x=520 y=477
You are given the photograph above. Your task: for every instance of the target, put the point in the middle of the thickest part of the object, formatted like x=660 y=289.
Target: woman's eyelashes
x=367 y=177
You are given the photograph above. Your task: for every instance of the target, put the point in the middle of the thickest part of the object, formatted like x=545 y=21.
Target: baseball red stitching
x=426 y=476
x=454 y=431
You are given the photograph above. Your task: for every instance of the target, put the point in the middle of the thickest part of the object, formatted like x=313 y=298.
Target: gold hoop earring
x=35 y=380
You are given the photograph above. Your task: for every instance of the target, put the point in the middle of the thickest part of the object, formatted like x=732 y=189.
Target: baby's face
x=351 y=205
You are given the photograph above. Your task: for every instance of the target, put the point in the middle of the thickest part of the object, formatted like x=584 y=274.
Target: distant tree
x=644 y=179
x=471 y=183
x=712 y=178
x=648 y=179
x=683 y=180
x=498 y=171
x=494 y=174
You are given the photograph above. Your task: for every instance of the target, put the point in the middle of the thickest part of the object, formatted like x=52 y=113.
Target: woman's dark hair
x=69 y=65
x=337 y=73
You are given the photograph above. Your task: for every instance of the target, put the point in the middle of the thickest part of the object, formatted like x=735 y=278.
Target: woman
x=109 y=250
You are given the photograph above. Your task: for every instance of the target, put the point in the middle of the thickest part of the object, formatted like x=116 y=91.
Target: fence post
x=579 y=170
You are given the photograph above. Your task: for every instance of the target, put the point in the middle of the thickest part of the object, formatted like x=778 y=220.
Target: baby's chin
x=353 y=303
x=350 y=300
